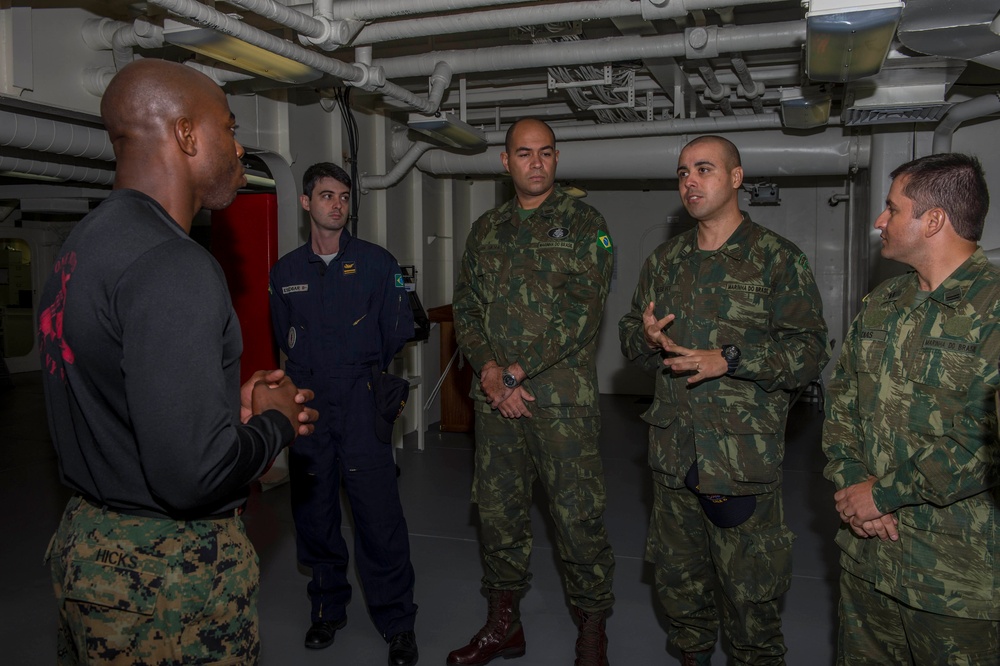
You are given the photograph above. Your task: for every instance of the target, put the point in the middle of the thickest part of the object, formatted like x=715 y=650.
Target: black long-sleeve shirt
x=140 y=350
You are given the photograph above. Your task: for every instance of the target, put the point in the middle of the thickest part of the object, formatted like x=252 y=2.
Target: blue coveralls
x=334 y=323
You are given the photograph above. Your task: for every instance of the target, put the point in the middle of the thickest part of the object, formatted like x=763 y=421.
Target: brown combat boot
x=501 y=636
x=591 y=642
x=700 y=658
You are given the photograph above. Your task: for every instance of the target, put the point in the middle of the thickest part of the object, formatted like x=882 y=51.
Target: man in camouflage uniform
x=745 y=328
x=911 y=433
x=528 y=305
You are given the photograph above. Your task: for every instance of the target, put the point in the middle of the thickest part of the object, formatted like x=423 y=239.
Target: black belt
x=158 y=515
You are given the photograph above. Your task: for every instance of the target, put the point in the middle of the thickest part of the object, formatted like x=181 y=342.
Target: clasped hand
x=509 y=401
x=856 y=507
x=272 y=389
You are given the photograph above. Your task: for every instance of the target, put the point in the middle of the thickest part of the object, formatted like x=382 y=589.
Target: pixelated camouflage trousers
x=876 y=630
x=703 y=572
x=145 y=591
x=562 y=454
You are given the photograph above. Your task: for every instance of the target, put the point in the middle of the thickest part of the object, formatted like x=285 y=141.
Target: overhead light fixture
x=238 y=53
x=849 y=39
x=805 y=108
x=448 y=129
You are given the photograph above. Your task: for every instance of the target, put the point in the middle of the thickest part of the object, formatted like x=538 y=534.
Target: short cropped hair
x=321 y=170
x=729 y=149
x=510 y=131
x=952 y=182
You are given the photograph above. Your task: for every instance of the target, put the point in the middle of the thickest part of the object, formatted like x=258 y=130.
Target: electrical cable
x=343 y=97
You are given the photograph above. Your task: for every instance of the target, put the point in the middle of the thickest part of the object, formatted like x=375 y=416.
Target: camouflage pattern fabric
x=145 y=591
x=755 y=292
x=533 y=291
x=747 y=567
x=912 y=403
x=563 y=454
x=875 y=630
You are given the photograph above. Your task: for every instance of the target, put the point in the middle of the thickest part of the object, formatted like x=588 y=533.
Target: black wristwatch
x=732 y=355
x=509 y=380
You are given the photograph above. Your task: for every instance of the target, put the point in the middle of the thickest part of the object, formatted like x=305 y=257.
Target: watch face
x=509 y=380
x=731 y=352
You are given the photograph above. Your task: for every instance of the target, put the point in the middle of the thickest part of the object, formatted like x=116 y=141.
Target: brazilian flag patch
x=604 y=240
x=399 y=280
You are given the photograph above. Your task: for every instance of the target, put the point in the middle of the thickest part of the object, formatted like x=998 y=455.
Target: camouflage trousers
x=562 y=454
x=149 y=591
x=702 y=572
x=875 y=630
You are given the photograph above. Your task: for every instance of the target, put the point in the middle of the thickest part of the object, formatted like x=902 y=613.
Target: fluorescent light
x=849 y=39
x=804 y=109
x=448 y=129
x=238 y=53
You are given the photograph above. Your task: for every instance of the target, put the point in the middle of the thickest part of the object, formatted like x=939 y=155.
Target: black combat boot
x=591 y=642
x=501 y=636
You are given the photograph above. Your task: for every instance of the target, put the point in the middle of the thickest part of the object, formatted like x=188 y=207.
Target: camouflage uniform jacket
x=533 y=292
x=912 y=403
x=756 y=292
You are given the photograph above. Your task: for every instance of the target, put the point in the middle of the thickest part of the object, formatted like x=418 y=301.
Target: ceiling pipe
x=764 y=153
x=958 y=114
x=711 y=41
x=538 y=15
x=364 y=10
x=62 y=172
x=370 y=78
x=120 y=37
x=748 y=89
x=321 y=29
x=399 y=171
x=52 y=136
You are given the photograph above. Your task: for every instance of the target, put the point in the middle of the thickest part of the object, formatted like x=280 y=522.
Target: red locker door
x=244 y=239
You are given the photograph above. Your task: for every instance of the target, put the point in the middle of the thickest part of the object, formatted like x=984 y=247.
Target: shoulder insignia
x=804 y=261
x=953 y=295
x=604 y=240
x=399 y=280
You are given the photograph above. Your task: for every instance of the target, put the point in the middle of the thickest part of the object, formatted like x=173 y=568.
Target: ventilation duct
x=907 y=90
x=962 y=31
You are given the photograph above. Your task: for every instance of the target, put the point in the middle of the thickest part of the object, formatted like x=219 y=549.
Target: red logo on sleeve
x=50 y=323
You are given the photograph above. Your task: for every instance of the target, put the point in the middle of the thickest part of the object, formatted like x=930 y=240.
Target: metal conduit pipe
x=399 y=171
x=367 y=78
x=363 y=10
x=610 y=49
x=958 y=114
x=52 y=136
x=765 y=154
x=120 y=37
x=319 y=29
x=513 y=17
x=64 y=172
x=748 y=88
x=715 y=91
x=674 y=126
x=497 y=19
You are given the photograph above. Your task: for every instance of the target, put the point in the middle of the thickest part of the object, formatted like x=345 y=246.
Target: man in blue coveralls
x=339 y=309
